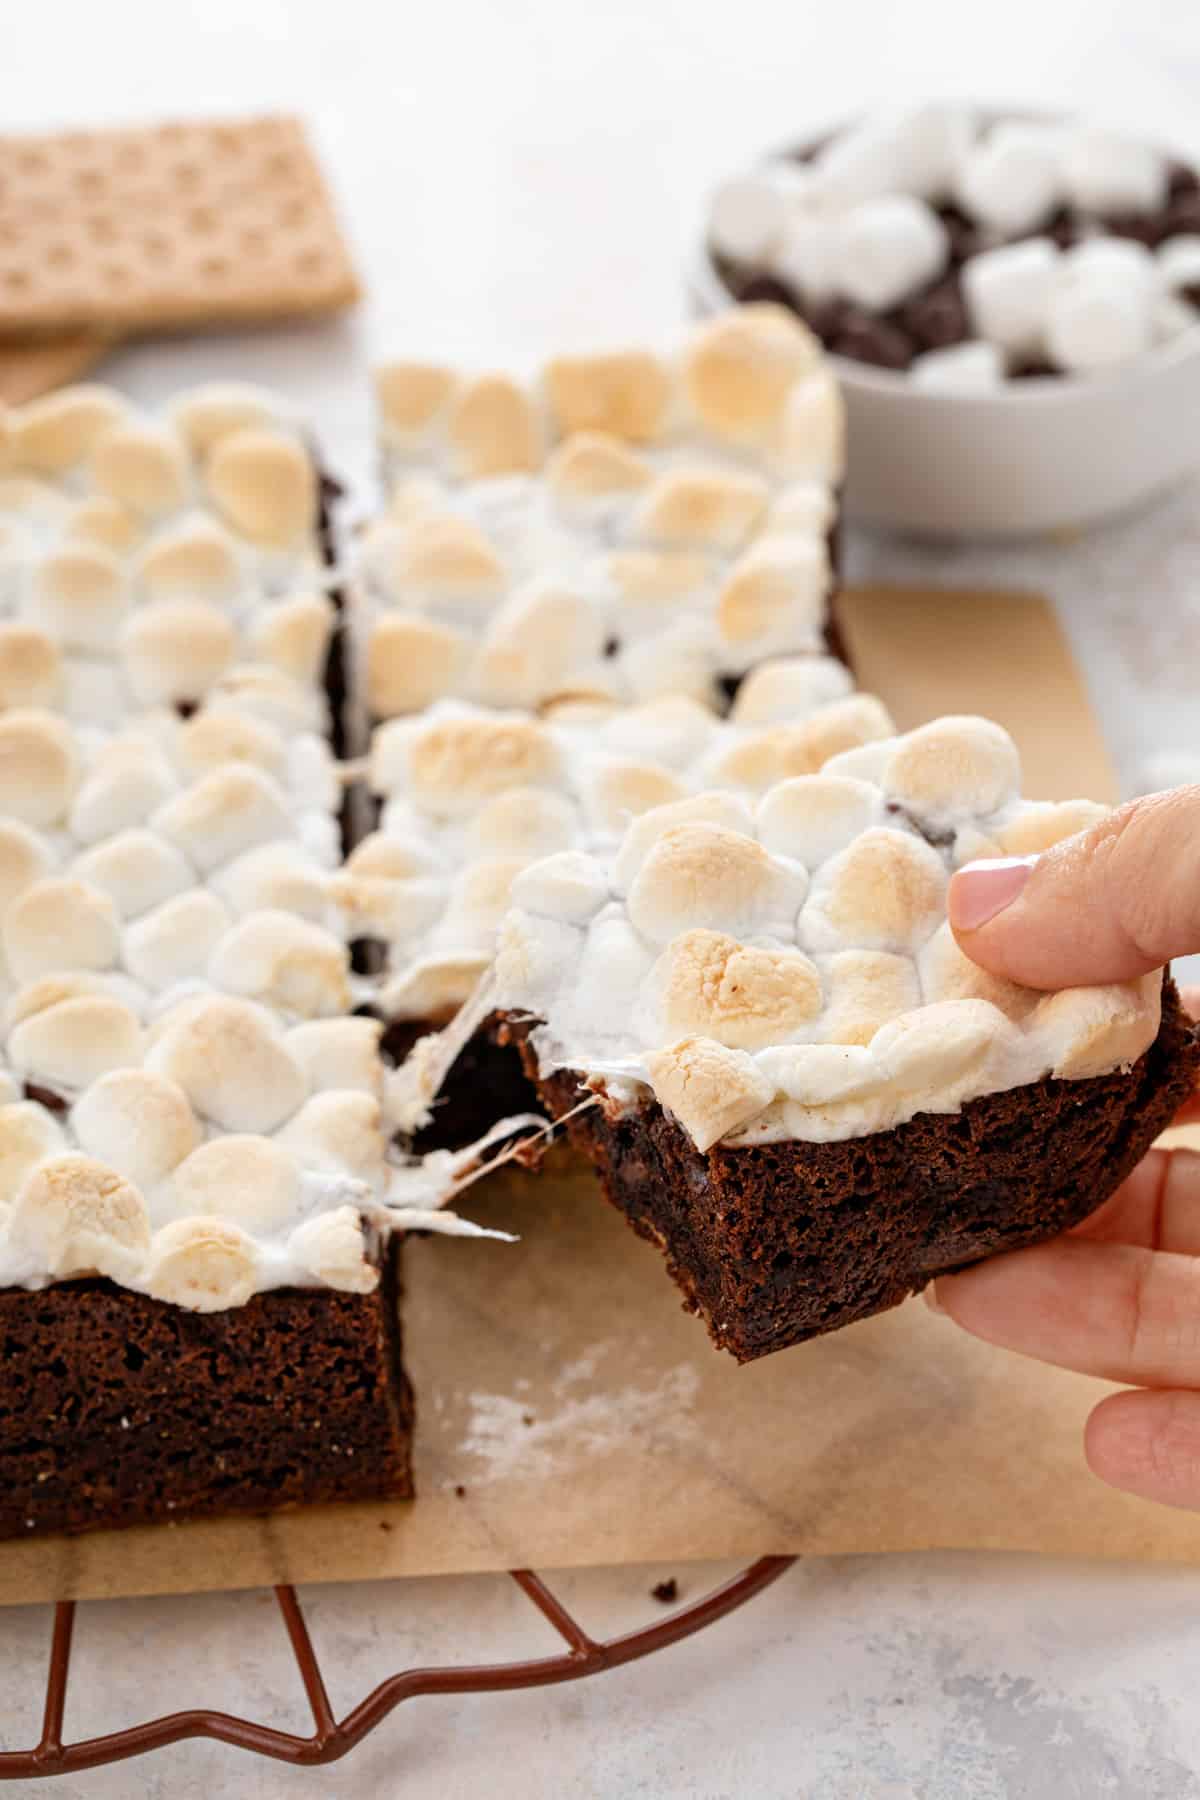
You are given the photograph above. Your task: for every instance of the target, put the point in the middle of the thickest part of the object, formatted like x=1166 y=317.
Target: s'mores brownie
x=471 y=796
x=625 y=524
x=198 y=1243
x=757 y=1023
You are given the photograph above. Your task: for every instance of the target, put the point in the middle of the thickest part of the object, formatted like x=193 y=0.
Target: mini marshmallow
x=492 y=429
x=1101 y=308
x=1012 y=180
x=411 y=662
x=701 y=509
x=60 y=924
x=231 y=810
x=810 y=818
x=282 y=877
x=28 y=1133
x=193 y=562
x=886 y=891
x=593 y=467
x=776 y=593
x=937 y=1045
x=207 y=1265
x=1090 y=1031
x=748 y=215
x=533 y=642
x=294 y=636
x=811 y=445
x=1179 y=262
x=286 y=963
x=789 y=685
x=265 y=486
x=709 y=985
x=137 y=1122
x=216 y=409
x=143 y=467
x=30 y=668
x=1008 y=291
x=889 y=248
x=81 y=1218
x=80 y=595
x=339 y=1053
x=1107 y=172
x=339 y=1134
x=970 y=368
x=210 y=739
x=411 y=396
x=656 y=578
x=136 y=869
x=953 y=767
x=718 y=808
x=438 y=558
x=176 y=651
x=703 y=875
x=768 y=756
x=625 y=393
x=99 y=520
x=525 y=821
x=436 y=986
x=24 y=859
x=455 y=762
x=739 y=371
x=227 y=1057
x=712 y=1091
x=69 y=1046
x=569 y=886
x=867 y=990
x=620 y=790
x=56 y=431
x=331 y=1247
x=947 y=973
x=174 y=942
x=252 y=1181
x=805 y=256
x=1042 y=824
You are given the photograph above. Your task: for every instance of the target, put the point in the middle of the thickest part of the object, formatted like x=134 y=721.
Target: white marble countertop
x=530 y=173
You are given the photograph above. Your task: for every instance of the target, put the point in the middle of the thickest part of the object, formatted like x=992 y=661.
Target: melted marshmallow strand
x=779 y=965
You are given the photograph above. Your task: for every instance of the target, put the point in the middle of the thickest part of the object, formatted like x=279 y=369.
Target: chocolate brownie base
x=776 y=1243
x=487 y=1082
x=936 y=316
x=116 y=1409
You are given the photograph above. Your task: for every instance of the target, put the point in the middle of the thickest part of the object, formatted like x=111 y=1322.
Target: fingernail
x=930 y=1297
x=982 y=889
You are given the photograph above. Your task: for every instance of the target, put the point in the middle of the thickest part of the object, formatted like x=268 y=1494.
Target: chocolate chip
x=45 y=1097
x=666 y=1591
x=1183 y=215
x=1143 y=228
x=937 y=317
x=1181 y=180
x=187 y=708
x=766 y=287
x=962 y=232
x=875 y=341
x=1063 y=228
x=611 y=646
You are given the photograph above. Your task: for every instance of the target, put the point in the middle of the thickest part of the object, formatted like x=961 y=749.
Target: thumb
x=1108 y=905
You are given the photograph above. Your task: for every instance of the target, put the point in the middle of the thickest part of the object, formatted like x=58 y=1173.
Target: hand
x=1120 y=1295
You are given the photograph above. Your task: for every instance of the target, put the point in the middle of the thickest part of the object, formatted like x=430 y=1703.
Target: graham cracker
x=29 y=368
x=166 y=226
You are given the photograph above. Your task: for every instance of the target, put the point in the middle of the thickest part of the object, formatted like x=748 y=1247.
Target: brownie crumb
x=527 y=1418
x=666 y=1591
x=460 y=1492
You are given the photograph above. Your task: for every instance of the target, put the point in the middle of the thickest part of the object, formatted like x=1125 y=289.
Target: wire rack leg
x=50 y=1745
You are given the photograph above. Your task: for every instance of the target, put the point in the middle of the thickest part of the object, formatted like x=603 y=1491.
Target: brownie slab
x=778 y=1242
x=121 y=1410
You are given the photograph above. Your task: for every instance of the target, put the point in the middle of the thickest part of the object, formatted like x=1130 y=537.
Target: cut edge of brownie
x=298 y=1397
x=778 y=1242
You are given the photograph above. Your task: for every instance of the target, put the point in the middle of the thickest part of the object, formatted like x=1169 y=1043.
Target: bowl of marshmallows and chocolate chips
x=1012 y=301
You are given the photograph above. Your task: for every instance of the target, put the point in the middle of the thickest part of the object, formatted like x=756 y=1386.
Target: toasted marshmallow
x=619 y=790
x=790 y=686
x=455 y=762
x=656 y=578
x=1008 y=292
x=592 y=466
x=710 y=985
x=81 y=596
x=1091 y=1031
x=286 y=963
x=339 y=1053
x=81 y=1218
x=1013 y=180
x=761 y=759
x=28 y=1133
x=136 y=869
x=211 y=739
x=282 y=877
x=948 y=974
x=533 y=643
x=252 y=1181
x=701 y=509
x=30 y=667
x=712 y=1091
x=232 y=1065
x=205 y=1264
x=231 y=810
x=411 y=662
x=434 y=559
x=492 y=429
x=886 y=891
x=217 y=409
x=411 y=396
x=1040 y=826
x=937 y=1046
x=569 y=886
x=776 y=593
x=24 y=859
x=527 y=822
x=53 y=433
x=953 y=768
x=294 y=636
x=703 y=875
x=889 y=248
x=626 y=394
x=176 y=651
x=60 y=924
x=137 y=1122
x=174 y=942
x=739 y=371
x=435 y=987
x=867 y=989
x=811 y=445
x=339 y=1134
x=68 y=1046
x=265 y=486
x=811 y=818
x=99 y=520
x=718 y=808
x=143 y=467
x=1107 y=172
x=196 y=561
x=331 y=1246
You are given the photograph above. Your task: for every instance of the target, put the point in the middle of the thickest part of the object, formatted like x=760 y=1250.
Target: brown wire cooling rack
x=333 y=1738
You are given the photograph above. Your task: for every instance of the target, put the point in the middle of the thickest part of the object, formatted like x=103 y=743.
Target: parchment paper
x=570 y=1412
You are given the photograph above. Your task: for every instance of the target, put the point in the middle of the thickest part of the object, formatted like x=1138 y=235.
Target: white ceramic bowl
x=1043 y=455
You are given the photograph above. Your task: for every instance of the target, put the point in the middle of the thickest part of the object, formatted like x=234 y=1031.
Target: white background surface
x=516 y=175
